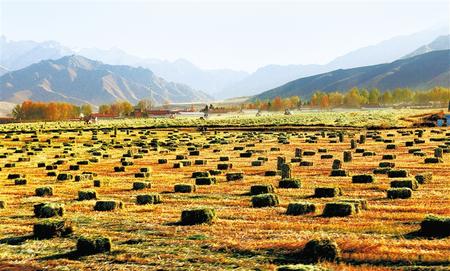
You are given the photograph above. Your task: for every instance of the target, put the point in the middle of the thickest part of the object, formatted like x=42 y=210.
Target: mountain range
x=417 y=72
x=79 y=80
x=225 y=83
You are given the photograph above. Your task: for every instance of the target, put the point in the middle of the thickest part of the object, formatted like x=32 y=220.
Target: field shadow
x=420 y=235
x=17 y=240
x=71 y=255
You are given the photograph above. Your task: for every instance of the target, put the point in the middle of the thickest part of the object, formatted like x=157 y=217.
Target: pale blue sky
x=238 y=35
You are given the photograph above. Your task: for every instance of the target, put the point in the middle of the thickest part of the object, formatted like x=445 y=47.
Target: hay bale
x=119 y=169
x=435 y=226
x=184 y=188
x=141 y=185
x=360 y=204
x=224 y=166
x=224 y=158
x=399 y=193
x=433 y=160
x=383 y=170
x=281 y=160
x=363 y=178
x=50 y=228
x=424 y=177
x=265 y=200
x=108 y=205
x=398 y=173
x=205 y=180
x=153 y=198
x=141 y=175
x=2 y=204
x=258 y=189
x=87 y=194
x=321 y=250
x=46 y=210
x=327 y=192
x=306 y=163
x=289 y=183
x=257 y=163
x=338 y=173
x=97 y=183
x=20 y=181
x=298 y=152
x=438 y=152
x=347 y=156
x=333 y=209
x=270 y=173
x=162 y=161
x=93 y=245
x=198 y=174
x=286 y=171
x=44 y=191
x=214 y=172
x=337 y=164
x=235 y=176
x=198 y=216
x=411 y=184
x=386 y=164
x=300 y=208
x=301 y=267
x=200 y=162
x=64 y=177
x=12 y=176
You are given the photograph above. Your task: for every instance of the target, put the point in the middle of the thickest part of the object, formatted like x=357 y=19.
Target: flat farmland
x=378 y=233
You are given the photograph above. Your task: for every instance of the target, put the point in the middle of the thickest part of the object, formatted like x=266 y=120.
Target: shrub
x=338 y=209
x=261 y=189
x=300 y=208
x=435 y=226
x=44 y=191
x=198 y=216
x=46 y=210
x=399 y=193
x=327 y=192
x=280 y=161
x=411 y=184
x=321 y=250
x=87 y=194
x=234 y=176
x=205 y=180
x=424 y=177
x=398 y=173
x=153 y=198
x=141 y=185
x=49 y=228
x=184 y=188
x=289 y=183
x=90 y=245
x=108 y=205
x=265 y=200
x=364 y=178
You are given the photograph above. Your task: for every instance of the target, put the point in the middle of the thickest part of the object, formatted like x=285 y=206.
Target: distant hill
x=211 y=81
x=80 y=80
x=422 y=71
x=440 y=43
x=3 y=70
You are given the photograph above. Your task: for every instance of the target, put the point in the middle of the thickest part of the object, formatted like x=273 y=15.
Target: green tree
x=374 y=96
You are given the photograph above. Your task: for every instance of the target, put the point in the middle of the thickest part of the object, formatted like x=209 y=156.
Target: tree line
x=356 y=98
x=30 y=110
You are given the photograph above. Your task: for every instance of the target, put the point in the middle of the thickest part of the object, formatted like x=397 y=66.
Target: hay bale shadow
x=18 y=240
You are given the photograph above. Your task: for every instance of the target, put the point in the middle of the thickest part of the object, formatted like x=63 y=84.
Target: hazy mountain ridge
x=440 y=43
x=422 y=71
x=79 y=80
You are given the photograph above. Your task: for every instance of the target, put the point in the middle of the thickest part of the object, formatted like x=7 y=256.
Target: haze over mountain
x=79 y=80
x=440 y=43
x=226 y=83
x=3 y=70
x=419 y=72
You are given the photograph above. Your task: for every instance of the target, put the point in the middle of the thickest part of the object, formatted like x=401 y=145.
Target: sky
x=241 y=35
